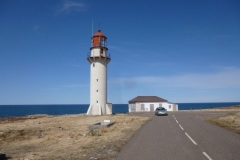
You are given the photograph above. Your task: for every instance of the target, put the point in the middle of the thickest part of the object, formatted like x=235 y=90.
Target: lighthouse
x=98 y=59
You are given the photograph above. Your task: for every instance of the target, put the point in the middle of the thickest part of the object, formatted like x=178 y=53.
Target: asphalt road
x=182 y=136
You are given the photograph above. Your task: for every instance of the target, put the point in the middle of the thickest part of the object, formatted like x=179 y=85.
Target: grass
x=230 y=121
x=66 y=137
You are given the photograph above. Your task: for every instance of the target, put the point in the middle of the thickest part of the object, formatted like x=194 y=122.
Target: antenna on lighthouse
x=99 y=26
x=92 y=27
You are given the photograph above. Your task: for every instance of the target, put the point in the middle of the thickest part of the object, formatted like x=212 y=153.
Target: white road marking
x=191 y=139
x=205 y=154
x=181 y=127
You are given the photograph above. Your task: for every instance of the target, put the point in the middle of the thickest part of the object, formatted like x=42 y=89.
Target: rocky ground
x=66 y=137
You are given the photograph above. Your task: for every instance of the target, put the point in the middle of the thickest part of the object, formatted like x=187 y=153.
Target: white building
x=150 y=103
x=98 y=59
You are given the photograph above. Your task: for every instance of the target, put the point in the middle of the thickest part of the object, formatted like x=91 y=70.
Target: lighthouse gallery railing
x=107 y=55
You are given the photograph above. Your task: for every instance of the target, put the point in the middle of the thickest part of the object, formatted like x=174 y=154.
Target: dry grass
x=230 y=121
x=66 y=137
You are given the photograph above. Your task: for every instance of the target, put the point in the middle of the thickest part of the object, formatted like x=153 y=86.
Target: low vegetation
x=66 y=137
x=230 y=121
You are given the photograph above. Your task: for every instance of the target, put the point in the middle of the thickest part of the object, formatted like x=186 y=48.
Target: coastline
x=230 y=108
x=63 y=109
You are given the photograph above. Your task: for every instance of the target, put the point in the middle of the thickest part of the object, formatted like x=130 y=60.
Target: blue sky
x=180 y=50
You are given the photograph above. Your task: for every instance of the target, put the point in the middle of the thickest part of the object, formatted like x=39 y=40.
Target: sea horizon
x=111 y=103
x=13 y=110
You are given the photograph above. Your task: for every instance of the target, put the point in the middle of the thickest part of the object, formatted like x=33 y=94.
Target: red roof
x=147 y=99
x=99 y=34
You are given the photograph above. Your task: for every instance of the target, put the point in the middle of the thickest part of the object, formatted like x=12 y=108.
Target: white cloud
x=71 y=6
x=77 y=65
x=36 y=27
x=224 y=78
x=69 y=86
x=75 y=86
x=130 y=43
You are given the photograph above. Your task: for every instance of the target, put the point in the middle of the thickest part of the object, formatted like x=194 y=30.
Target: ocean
x=58 y=109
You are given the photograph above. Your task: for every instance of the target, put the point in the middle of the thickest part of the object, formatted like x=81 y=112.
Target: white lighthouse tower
x=98 y=59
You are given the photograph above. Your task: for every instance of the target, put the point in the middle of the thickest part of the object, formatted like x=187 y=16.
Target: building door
x=151 y=107
x=174 y=107
x=133 y=107
x=142 y=107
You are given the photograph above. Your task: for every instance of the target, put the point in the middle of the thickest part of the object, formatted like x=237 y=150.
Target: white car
x=161 y=111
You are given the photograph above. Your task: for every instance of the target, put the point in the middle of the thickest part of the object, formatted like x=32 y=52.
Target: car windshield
x=161 y=109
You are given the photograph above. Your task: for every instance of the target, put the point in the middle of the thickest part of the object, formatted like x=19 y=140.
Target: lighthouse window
x=103 y=43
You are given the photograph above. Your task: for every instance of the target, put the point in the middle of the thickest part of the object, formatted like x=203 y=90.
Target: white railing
x=107 y=55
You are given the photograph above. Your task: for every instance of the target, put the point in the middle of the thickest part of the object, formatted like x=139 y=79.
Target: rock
x=2 y=155
x=95 y=132
x=41 y=134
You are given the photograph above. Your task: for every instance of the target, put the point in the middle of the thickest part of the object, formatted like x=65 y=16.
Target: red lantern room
x=99 y=40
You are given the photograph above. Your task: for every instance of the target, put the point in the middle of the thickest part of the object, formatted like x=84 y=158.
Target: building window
x=169 y=106
x=97 y=101
x=93 y=64
x=97 y=90
x=97 y=80
x=160 y=104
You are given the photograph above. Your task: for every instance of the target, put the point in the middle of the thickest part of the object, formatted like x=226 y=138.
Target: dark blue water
x=23 y=110
x=189 y=106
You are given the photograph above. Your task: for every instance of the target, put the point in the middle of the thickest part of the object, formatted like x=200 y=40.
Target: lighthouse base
x=99 y=110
